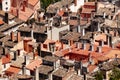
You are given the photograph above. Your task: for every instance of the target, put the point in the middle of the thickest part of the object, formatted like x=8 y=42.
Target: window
x=6 y=3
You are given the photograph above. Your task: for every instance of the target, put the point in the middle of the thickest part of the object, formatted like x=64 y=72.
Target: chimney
x=84 y=75
x=91 y=47
x=99 y=49
x=4 y=51
x=25 y=59
x=114 y=8
x=18 y=37
x=109 y=40
x=84 y=45
x=36 y=73
x=15 y=55
x=12 y=36
x=104 y=15
x=3 y=44
x=18 y=51
x=90 y=58
x=70 y=42
x=39 y=49
x=23 y=69
x=83 y=31
x=98 y=24
x=79 y=30
x=17 y=11
x=96 y=5
x=75 y=2
x=77 y=45
x=101 y=42
x=23 y=7
x=6 y=18
x=32 y=34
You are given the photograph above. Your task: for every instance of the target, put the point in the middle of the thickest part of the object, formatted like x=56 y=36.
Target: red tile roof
x=33 y=2
x=112 y=53
x=12 y=70
x=1 y=22
x=6 y=59
x=91 y=68
x=23 y=15
x=89 y=3
x=86 y=10
x=60 y=13
x=34 y=64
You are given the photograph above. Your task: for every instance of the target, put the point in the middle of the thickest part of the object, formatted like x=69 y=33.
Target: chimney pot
x=23 y=8
x=18 y=37
x=12 y=36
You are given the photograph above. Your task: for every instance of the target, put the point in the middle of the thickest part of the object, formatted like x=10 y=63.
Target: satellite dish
x=6 y=5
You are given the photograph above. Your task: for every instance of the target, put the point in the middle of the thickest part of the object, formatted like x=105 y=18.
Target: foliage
x=46 y=3
x=99 y=76
x=115 y=75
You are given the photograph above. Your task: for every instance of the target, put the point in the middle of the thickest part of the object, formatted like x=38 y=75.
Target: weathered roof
x=50 y=58
x=18 y=62
x=110 y=65
x=52 y=8
x=6 y=27
x=36 y=29
x=72 y=36
x=24 y=76
x=43 y=69
x=61 y=72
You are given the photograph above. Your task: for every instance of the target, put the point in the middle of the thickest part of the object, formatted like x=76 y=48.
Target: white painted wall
x=55 y=32
x=74 y=8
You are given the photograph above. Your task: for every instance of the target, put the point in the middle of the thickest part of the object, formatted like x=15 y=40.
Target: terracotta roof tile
x=91 y=68
x=12 y=70
x=89 y=3
x=60 y=13
x=34 y=64
x=86 y=10
x=33 y=2
x=6 y=59
x=1 y=22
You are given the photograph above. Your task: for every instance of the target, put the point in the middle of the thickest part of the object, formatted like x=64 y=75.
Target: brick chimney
x=12 y=36
x=17 y=13
x=23 y=7
x=75 y=2
x=18 y=37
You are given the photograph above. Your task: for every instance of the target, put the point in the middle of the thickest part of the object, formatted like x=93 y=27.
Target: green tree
x=115 y=75
x=46 y=3
x=99 y=76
